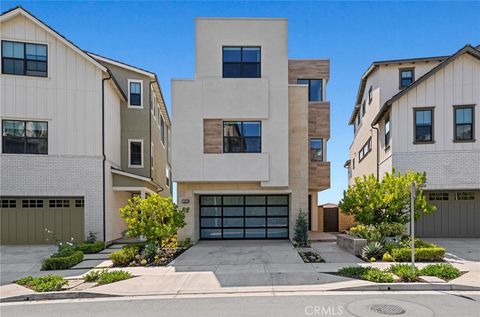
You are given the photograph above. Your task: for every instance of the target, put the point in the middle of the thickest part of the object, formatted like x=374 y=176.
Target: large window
x=241 y=62
x=24 y=59
x=407 y=76
x=242 y=137
x=316 y=150
x=135 y=153
x=423 y=125
x=366 y=148
x=387 y=132
x=24 y=137
x=244 y=217
x=135 y=93
x=464 y=123
x=315 y=88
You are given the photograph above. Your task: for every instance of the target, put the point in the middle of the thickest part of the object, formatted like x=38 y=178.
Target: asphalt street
x=422 y=304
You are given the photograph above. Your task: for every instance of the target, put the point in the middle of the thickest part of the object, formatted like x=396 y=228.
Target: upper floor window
x=407 y=76
x=168 y=176
x=135 y=153
x=363 y=108
x=162 y=130
x=315 y=88
x=464 y=123
x=316 y=150
x=135 y=93
x=242 y=137
x=423 y=125
x=370 y=95
x=241 y=62
x=366 y=148
x=24 y=137
x=359 y=119
x=28 y=59
x=387 y=132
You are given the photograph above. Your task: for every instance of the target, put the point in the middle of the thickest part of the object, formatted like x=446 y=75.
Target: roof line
x=464 y=50
x=122 y=64
x=46 y=26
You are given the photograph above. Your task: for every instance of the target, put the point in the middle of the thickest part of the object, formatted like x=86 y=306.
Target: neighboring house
x=422 y=114
x=70 y=157
x=250 y=132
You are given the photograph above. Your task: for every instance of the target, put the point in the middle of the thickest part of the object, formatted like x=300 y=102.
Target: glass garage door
x=244 y=217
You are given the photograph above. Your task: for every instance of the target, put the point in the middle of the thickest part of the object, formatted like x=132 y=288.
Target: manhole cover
x=388 y=309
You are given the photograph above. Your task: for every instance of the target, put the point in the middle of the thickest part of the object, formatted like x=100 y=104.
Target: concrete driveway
x=251 y=263
x=20 y=261
x=459 y=248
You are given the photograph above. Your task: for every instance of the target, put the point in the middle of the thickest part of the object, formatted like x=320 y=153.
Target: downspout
x=103 y=154
x=378 y=152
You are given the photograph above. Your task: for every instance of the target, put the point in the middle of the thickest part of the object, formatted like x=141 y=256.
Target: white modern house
x=64 y=165
x=250 y=132
x=422 y=114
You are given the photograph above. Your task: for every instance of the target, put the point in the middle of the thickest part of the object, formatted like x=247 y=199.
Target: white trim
x=13 y=13
x=129 y=157
x=133 y=189
x=123 y=173
x=120 y=64
x=141 y=93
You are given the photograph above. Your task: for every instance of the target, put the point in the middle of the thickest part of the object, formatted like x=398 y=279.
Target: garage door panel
x=244 y=216
x=25 y=223
x=455 y=217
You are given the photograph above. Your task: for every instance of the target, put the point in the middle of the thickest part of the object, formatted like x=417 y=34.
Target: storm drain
x=388 y=309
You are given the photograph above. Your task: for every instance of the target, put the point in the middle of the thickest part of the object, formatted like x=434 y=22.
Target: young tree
x=372 y=202
x=156 y=218
x=301 y=229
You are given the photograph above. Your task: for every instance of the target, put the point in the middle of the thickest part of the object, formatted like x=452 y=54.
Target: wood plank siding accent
x=318 y=176
x=212 y=136
x=308 y=69
x=319 y=120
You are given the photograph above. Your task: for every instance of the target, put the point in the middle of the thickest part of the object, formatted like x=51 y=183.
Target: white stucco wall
x=211 y=96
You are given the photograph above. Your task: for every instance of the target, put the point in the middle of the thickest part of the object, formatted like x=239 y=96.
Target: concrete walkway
x=332 y=253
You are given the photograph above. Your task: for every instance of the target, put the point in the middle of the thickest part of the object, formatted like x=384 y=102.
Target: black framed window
x=242 y=137
x=244 y=216
x=315 y=88
x=424 y=125
x=136 y=150
x=359 y=119
x=241 y=62
x=316 y=150
x=28 y=59
x=407 y=76
x=24 y=137
x=438 y=196
x=464 y=123
x=364 y=110
x=135 y=93
x=366 y=148
x=370 y=95
x=387 y=131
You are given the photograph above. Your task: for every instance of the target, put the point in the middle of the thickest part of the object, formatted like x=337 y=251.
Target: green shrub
x=390 y=245
x=301 y=229
x=421 y=254
x=406 y=242
x=445 y=271
x=47 y=283
x=62 y=261
x=365 y=232
x=405 y=272
x=372 y=250
x=124 y=256
x=390 y=229
x=91 y=276
x=353 y=271
x=387 y=257
x=377 y=276
x=151 y=250
x=106 y=277
x=89 y=247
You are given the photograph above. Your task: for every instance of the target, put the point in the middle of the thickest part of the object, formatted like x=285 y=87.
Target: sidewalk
x=224 y=279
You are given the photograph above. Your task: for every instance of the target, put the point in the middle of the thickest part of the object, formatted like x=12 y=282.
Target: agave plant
x=373 y=250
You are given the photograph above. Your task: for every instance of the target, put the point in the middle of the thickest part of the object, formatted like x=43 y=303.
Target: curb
x=54 y=296
x=411 y=287
x=366 y=288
